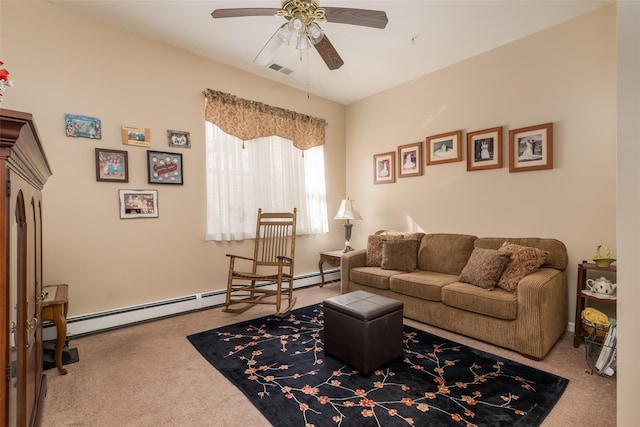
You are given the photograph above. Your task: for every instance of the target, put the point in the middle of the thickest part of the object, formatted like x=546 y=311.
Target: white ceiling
x=421 y=36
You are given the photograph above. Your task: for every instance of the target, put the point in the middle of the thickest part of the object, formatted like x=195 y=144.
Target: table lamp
x=347 y=211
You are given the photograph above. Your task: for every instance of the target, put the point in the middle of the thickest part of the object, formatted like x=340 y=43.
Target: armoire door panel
x=24 y=170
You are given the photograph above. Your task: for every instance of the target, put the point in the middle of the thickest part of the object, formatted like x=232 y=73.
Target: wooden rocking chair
x=272 y=263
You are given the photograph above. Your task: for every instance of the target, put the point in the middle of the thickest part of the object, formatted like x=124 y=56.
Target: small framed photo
x=112 y=165
x=164 y=168
x=138 y=204
x=83 y=126
x=484 y=149
x=179 y=139
x=531 y=148
x=140 y=137
x=384 y=165
x=410 y=160
x=444 y=148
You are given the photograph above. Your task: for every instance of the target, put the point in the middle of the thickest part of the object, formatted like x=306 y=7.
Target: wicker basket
x=588 y=327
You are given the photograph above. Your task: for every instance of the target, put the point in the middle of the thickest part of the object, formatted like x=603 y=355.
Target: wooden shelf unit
x=582 y=300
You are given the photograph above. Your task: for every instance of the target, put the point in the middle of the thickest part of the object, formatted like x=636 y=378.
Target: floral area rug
x=280 y=365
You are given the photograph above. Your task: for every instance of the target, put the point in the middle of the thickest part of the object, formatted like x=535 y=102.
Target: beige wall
x=565 y=75
x=63 y=63
x=628 y=208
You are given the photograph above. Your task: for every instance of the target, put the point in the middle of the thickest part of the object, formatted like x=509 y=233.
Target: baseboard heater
x=111 y=319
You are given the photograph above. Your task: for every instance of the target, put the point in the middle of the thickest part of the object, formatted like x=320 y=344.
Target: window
x=268 y=173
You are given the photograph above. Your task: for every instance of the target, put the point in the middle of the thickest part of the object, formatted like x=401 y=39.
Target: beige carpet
x=150 y=375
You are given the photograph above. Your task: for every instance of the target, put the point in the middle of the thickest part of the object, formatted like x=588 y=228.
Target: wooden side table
x=54 y=308
x=332 y=258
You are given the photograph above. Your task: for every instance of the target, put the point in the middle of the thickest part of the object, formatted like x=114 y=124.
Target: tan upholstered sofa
x=528 y=319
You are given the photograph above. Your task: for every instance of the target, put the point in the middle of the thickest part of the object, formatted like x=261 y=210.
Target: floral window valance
x=250 y=119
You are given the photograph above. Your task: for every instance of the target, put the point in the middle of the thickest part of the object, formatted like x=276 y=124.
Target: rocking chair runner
x=272 y=262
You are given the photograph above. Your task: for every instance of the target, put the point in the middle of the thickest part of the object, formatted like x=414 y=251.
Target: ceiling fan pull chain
x=308 y=96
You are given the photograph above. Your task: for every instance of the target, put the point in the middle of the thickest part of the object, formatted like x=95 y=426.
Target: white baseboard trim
x=101 y=321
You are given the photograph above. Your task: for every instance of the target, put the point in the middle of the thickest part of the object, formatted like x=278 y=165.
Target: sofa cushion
x=390 y=233
x=558 y=257
x=416 y=235
x=410 y=235
x=498 y=303
x=484 y=268
x=375 y=277
x=374 y=248
x=400 y=255
x=421 y=284
x=445 y=253
x=524 y=261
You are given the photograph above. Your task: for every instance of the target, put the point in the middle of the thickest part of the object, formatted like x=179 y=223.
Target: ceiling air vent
x=280 y=69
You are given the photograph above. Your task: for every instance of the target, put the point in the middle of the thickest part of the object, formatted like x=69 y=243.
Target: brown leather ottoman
x=363 y=330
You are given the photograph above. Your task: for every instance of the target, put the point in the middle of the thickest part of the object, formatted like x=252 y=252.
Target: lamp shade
x=348 y=210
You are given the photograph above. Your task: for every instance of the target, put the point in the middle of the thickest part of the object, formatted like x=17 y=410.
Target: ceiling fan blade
x=244 y=11
x=329 y=53
x=269 y=50
x=363 y=17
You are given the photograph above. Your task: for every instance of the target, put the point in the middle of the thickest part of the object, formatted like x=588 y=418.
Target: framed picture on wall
x=444 y=148
x=140 y=137
x=164 y=168
x=138 y=204
x=179 y=139
x=83 y=126
x=384 y=168
x=112 y=165
x=410 y=160
x=531 y=148
x=484 y=149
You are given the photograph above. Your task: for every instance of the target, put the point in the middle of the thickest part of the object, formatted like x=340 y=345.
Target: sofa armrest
x=353 y=259
x=542 y=310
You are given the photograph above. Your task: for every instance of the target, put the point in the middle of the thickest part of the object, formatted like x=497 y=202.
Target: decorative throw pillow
x=374 y=248
x=400 y=255
x=484 y=268
x=524 y=261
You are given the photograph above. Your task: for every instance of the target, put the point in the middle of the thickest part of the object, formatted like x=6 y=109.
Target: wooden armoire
x=24 y=170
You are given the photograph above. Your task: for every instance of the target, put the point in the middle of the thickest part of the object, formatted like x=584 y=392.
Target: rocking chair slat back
x=275 y=236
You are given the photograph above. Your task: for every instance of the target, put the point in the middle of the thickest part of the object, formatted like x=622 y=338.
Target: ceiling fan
x=302 y=18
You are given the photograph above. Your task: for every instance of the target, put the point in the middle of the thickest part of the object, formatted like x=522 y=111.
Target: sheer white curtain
x=268 y=173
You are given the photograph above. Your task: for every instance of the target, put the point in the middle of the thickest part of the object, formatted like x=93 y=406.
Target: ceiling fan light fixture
x=296 y=23
x=285 y=33
x=315 y=33
x=303 y=42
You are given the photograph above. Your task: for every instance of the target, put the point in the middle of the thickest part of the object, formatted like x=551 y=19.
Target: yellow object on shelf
x=595 y=319
x=603 y=260
x=595 y=316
